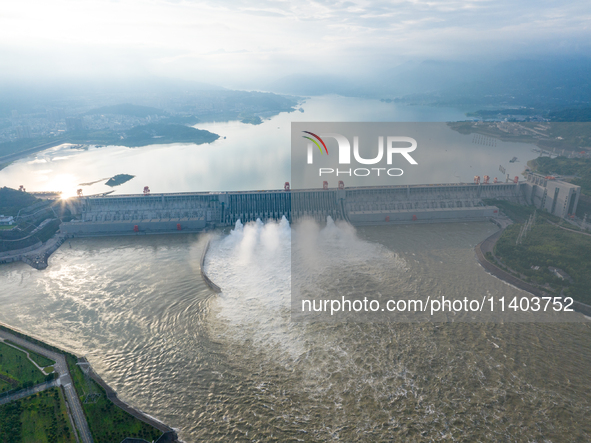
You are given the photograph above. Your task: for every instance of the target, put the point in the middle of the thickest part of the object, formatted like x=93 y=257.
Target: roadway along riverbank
x=74 y=407
x=64 y=380
x=36 y=256
x=25 y=152
x=24 y=393
x=169 y=434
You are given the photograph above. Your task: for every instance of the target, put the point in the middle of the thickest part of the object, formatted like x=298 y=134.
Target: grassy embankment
x=13 y=201
x=16 y=371
x=40 y=418
x=39 y=359
x=545 y=245
x=42 y=235
x=107 y=422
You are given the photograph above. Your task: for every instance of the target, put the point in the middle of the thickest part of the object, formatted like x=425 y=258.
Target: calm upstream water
x=234 y=367
x=258 y=157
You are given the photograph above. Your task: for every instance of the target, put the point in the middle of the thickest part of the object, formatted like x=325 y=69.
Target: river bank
x=487 y=246
x=72 y=371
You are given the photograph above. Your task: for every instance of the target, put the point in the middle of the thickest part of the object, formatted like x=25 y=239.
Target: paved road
x=65 y=380
x=567 y=229
x=26 y=152
x=23 y=393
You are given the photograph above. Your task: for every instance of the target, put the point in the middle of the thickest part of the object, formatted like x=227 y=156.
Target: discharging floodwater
x=233 y=366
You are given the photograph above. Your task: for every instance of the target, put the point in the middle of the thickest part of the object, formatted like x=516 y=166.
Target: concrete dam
x=195 y=211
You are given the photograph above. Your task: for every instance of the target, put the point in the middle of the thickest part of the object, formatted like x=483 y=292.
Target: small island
x=251 y=119
x=119 y=179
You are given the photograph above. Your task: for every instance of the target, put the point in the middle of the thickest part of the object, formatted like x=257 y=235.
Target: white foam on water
x=253 y=265
x=326 y=257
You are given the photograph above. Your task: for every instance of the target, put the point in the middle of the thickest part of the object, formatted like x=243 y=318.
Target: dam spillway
x=195 y=211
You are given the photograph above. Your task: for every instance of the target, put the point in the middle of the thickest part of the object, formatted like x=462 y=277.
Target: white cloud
x=220 y=41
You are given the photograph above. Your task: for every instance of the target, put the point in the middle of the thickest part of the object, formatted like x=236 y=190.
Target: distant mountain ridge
x=553 y=83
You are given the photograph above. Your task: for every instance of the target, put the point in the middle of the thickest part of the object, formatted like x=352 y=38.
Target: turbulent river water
x=233 y=365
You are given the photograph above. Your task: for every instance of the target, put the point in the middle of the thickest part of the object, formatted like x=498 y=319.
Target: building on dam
x=194 y=211
x=555 y=196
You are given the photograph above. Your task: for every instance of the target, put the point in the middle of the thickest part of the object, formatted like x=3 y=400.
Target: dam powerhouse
x=196 y=211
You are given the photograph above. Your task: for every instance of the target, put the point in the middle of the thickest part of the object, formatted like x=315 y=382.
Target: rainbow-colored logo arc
x=315 y=142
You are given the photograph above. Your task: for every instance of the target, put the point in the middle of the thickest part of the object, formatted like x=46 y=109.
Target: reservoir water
x=249 y=157
x=234 y=367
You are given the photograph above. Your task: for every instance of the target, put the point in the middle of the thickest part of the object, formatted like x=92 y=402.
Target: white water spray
x=253 y=266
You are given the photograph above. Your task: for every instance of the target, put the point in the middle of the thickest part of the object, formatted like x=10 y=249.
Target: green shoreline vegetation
x=545 y=246
x=38 y=418
x=39 y=359
x=16 y=371
x=577 y=170
x=22 y=236
x=251 y=120
x=106 y=421
x=23 y=233
x=12 y=201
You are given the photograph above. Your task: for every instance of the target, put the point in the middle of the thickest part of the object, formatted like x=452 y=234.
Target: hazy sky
x=222 y=42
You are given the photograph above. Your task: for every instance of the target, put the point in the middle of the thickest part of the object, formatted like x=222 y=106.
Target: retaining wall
x=81 y=228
